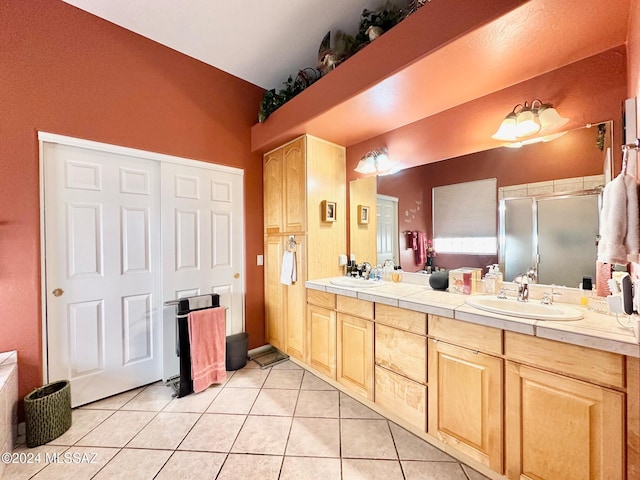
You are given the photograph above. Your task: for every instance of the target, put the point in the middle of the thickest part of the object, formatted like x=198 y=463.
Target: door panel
x=202 y=248
x=102 y=252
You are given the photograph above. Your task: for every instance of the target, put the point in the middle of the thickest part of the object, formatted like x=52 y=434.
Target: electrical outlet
x=260 y=260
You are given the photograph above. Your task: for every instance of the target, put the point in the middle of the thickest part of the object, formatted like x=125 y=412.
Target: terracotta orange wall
x=535 y=163
x=67 y=72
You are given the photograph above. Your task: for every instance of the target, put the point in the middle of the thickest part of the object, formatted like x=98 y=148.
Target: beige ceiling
x=261 y=41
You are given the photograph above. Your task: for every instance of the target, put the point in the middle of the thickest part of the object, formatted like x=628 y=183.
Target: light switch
x=260 y=260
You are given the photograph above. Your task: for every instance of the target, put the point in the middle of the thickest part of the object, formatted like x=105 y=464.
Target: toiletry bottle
x=490 y=281
x=498 y=276
x=396 y=276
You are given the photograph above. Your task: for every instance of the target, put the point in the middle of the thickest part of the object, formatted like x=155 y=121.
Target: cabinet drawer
x=401 y=318
x=401 y=397
x=476 y=337
x=594 y=366
x=322 y=299
x=355 y=306
x=402 y=352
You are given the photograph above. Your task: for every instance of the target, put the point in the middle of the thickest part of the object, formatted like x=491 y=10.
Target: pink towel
x=420 y=251
x=207 y=340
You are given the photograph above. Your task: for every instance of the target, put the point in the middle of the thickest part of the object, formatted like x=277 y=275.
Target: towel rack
x=625 y=153
x=183 y=384
x=291 y=246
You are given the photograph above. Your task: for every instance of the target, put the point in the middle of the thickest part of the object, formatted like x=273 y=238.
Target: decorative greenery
x=273 y=100
x=385 y=18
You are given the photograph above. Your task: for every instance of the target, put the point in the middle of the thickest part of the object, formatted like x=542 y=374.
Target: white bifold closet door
x=125 y=231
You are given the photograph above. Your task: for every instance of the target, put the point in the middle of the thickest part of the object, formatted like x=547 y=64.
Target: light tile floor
x=275 y=423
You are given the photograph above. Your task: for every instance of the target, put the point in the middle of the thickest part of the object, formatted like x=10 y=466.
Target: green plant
x=386 y=18
x=273 y=100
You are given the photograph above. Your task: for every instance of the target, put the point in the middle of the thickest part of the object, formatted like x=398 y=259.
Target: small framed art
x=328 y=211
x=363 y=215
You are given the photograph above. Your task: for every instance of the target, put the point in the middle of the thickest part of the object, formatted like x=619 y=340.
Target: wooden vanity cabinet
x=401 y=363
x=321 y=332
x=466 y=389
x=355 y=345
x=567 y=423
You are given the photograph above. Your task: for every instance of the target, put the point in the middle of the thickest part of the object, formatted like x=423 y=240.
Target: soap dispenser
x=498 y=276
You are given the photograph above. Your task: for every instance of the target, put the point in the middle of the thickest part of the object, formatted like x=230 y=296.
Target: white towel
x=619 y=221
x=289 y=274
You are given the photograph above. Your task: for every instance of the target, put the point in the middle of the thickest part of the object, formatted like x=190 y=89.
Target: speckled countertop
x=595 y=330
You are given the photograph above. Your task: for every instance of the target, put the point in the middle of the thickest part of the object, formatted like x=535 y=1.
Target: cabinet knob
x=57 y=292
x=236 y=275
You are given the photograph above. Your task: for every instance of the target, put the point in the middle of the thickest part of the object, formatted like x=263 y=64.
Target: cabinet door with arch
x=294 y=186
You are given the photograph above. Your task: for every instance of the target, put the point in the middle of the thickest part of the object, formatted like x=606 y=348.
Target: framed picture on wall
x=328 y=211
x=363 y=215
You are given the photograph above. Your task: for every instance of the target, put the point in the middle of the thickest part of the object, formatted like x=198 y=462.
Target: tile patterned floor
x=275 y=423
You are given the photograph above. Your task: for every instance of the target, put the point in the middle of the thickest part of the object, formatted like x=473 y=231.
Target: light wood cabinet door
x=294 y=186
x=355 y=354
x=465 y=402
x=296 y=303
x=273 y=180
x=321 y=329
x=559 y=428
x=275 y=309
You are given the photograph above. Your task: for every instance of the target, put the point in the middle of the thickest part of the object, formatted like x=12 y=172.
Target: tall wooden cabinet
x=298 y=177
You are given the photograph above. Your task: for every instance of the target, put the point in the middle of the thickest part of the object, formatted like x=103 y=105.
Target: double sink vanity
x=515 y=390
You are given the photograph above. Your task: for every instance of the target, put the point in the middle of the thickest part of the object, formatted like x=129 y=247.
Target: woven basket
x=47 y=412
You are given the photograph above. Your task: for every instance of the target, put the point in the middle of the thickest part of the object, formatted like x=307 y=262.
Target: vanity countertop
x=595 y=330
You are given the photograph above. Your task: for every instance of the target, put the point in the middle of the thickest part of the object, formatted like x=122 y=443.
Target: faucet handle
x=547 y=297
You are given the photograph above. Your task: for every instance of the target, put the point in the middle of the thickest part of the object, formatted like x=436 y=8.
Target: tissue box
x=464 y=280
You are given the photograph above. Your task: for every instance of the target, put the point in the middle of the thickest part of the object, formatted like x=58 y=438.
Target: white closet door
x=202 y=244
x=102 y=262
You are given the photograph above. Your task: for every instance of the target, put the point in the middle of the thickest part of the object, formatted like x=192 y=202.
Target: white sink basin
x=354 y=282
x=532 y=309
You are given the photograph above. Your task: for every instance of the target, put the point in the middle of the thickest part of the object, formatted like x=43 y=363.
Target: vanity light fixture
x=525 y=120
x=375 y=161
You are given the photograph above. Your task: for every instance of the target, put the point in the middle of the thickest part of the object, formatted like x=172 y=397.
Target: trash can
x=47 y=412
x=237 y=346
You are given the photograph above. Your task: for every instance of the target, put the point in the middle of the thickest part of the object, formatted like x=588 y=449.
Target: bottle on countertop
x=490 y=281
x=396 y=275
x=498 y=276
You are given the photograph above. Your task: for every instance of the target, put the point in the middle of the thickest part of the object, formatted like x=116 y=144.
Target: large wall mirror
x=573 y=163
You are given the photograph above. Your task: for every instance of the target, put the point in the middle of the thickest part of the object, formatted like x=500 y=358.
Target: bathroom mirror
x=578 y=158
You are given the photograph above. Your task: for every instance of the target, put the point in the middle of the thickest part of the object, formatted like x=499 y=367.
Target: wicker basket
x=47 y=412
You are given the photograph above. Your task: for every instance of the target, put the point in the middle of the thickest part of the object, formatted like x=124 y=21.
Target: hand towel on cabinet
x=289 y=273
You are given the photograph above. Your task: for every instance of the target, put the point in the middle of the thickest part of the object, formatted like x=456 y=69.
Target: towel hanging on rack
x=620 y=220
x=207 y=341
